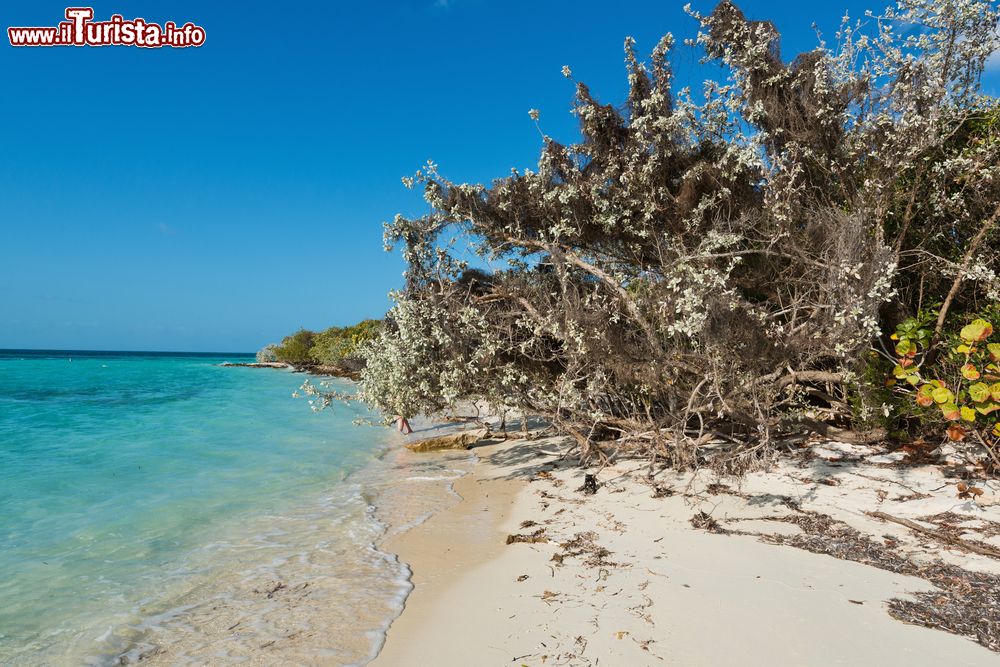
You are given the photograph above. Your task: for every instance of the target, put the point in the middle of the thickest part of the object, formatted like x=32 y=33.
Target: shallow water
x=164 y=504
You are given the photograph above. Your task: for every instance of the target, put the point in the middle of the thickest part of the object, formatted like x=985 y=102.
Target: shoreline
x=443 y=549
x=318 y=370
x=281 y=610
x=689 y=569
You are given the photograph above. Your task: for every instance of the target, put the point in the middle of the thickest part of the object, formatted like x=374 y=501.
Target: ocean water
x=166 y=508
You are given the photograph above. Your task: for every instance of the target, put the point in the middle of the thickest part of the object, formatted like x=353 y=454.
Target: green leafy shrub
x=959 y=390
x=295 y=349
x=876 y=403
x=337 y=344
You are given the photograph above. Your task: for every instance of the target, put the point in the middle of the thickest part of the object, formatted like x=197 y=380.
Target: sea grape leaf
x=978 y=331
x=951 y=412
x=979 y=392
x=942 y=395
x=970 y=372
x=956 y=433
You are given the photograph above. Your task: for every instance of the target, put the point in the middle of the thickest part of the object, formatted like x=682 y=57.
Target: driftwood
x=974 y=547
x=844 y=435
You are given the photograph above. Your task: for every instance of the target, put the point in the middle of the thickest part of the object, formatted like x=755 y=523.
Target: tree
x=713 y=270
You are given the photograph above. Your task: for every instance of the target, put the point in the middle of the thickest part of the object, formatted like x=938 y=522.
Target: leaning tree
x=712 y=267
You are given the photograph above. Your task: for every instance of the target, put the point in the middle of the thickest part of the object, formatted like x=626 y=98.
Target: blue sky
x=218 y=198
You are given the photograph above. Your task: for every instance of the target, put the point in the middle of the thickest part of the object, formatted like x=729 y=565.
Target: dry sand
x=622 y=577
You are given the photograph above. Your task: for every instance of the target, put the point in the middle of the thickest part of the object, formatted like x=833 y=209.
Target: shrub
x=959 y=391
x=338 y=344
x=294 y=349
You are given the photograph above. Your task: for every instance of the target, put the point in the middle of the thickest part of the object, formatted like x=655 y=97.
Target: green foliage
x=870 y=391
x=940 y=203
x=295 y=349
x=917 y=330
x=334 y=345
x=874 y=402
x=958 y=391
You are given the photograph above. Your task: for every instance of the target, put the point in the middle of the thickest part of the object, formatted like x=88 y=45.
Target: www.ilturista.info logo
x=79 y=29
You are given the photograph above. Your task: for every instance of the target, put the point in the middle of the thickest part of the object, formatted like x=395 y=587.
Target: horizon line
x=82 y=351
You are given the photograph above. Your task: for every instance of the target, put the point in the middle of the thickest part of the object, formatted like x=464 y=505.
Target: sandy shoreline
x=310 y=585
x=622 y=577
x=448 y=547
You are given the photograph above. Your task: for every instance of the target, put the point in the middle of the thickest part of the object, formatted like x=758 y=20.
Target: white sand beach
x=623 y=577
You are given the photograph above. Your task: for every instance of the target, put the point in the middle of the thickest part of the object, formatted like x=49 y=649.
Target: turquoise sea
x=163 y=505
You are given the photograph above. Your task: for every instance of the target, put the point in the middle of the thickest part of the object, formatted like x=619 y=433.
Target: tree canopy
x=717 y=266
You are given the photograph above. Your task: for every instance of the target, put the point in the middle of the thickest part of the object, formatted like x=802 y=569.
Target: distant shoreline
x=326 y=371
x=258 y=364
x=33 y=352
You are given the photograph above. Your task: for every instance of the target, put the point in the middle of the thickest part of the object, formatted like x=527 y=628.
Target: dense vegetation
x=295 y=349
x=335 y=348
x=339 y=344
x=700 y=275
